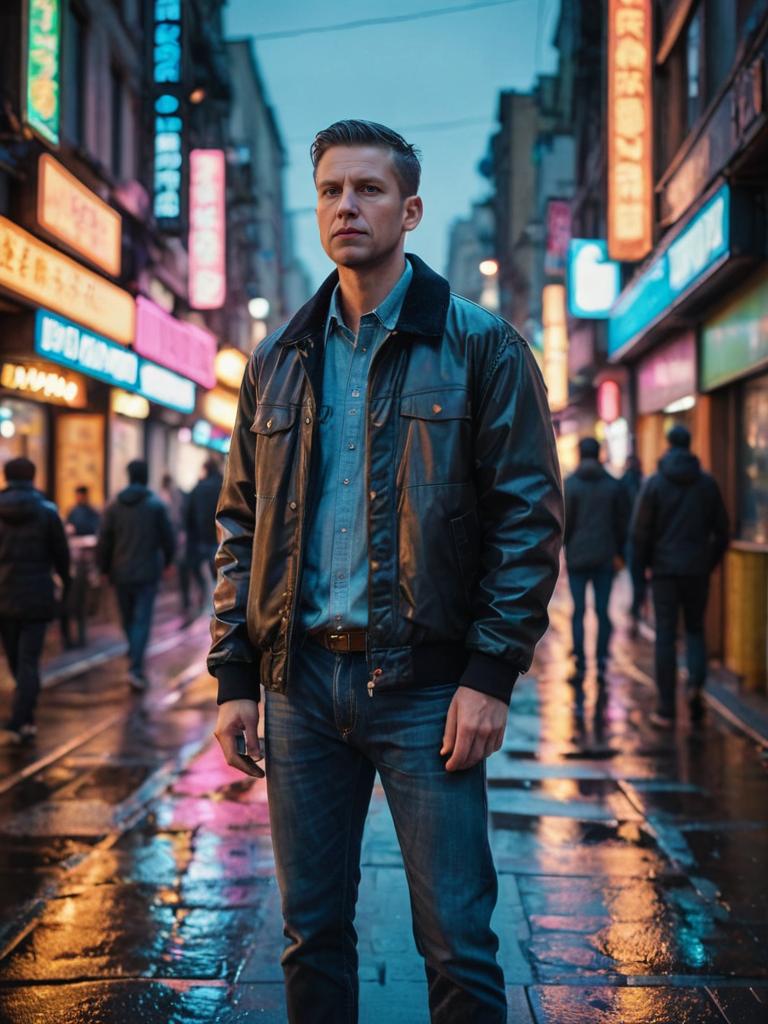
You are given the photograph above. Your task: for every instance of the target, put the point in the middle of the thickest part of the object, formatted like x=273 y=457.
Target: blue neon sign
x=168 y=112
x=689 y=258
x=594 y=280
x=71 y=345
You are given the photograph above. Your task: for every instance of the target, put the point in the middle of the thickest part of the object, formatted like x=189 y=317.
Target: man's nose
x=348 y=203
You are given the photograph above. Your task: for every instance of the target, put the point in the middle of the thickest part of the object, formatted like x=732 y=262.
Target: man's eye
x=371 y=188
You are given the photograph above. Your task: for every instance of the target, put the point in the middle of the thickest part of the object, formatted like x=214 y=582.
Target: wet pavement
x=137 y=879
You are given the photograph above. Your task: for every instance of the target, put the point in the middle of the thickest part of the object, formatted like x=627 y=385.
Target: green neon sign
x=43 y=66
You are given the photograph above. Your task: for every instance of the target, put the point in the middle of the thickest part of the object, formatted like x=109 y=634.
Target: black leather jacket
x=464 y=500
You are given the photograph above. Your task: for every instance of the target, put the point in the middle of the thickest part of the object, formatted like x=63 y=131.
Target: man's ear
x=414 y=211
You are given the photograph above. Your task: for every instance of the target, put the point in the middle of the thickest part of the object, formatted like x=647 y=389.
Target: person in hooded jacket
x=200 y=520
x=596 y=521
x=136 y=544
x=680 y=531
x=33 y=545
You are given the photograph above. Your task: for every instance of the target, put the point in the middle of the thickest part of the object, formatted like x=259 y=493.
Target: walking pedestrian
x=175 y=501
x=680 y=532
x=83 y=517
x=632 y=481
x=390 y=527
x=200 y=518
x=135 y=544
x=596 y=522
x=33 y=545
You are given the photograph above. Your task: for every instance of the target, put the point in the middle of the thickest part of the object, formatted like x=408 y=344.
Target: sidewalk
x=631 y=869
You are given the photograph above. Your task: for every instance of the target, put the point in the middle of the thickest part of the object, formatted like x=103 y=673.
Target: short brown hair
x=405 y=157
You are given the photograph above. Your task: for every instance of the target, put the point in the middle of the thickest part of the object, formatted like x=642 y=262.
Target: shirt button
x=372 y=495
x=308 y=419
x=343 y=529
x=363 y=349
x=339 y=575
x=345 y=481
x=355 y=393
x=353 y=412
x=293 y=506
x=351 y=446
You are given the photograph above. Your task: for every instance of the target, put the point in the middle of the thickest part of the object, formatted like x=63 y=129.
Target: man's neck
x=361 y=291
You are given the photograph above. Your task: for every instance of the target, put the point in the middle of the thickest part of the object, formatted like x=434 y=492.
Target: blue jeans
x=601 y=578
x=325 y=740
x=136 y=602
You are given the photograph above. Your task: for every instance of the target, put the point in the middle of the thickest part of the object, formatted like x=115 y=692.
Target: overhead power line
x=425 y=126
x=435 y=12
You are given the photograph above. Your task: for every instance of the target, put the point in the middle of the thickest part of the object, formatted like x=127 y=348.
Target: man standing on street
x=680 y=531
x=390 y=528
x=83 y=517
x=200 y=519
x=596 y=521
x=135 y=544
x=33 y=545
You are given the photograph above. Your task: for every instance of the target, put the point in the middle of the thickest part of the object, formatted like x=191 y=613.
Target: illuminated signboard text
x=168 y=112
x=207 y=232
x=43 y=68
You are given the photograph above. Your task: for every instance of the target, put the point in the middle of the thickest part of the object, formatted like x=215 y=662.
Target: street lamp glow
x=259 y=308
x=489 y=268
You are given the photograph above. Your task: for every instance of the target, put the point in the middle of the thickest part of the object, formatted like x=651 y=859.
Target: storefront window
x=754 y=462
x=23 y=431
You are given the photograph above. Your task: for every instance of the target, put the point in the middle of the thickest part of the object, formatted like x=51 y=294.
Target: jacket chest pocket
x=435 y=438
x=276 y=440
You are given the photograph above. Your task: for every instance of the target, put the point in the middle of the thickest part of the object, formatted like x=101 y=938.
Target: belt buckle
x=332 y=637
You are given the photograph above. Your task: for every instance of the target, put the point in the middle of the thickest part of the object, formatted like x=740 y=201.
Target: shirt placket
x=350 y=517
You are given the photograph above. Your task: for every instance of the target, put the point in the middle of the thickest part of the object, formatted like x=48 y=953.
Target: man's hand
x=236 y=717
x=474 y=728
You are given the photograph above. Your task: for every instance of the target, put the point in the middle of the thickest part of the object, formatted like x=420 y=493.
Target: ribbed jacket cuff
x=238 y=680
x=489 y=675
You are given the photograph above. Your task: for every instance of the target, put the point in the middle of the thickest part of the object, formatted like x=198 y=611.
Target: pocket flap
x=436 y=405
x=272 y=419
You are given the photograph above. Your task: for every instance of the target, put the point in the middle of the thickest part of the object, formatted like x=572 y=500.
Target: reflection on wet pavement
x=137 y=880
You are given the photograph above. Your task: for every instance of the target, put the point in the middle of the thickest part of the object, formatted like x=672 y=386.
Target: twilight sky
x=435 y=80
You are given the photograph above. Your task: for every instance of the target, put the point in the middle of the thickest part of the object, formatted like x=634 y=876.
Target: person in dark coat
x=83 y=517
x=33 y=545
x=200 y=519
x=632 y=481
x=596 y=520
x=136 y=544
x=680 y=532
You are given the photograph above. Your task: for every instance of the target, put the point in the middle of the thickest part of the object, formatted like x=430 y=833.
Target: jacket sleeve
x=232 y=658
x=59 y=549
x=520 y=504
x=105 y=543
x=720 y=527
x=570 y=510
x=167 y=537
x=643 y=523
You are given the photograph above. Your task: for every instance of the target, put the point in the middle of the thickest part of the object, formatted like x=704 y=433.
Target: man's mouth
x=347 y=231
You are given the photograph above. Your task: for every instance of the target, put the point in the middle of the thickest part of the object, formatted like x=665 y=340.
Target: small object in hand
x=242 y=751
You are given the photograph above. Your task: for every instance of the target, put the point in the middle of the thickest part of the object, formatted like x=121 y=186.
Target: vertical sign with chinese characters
x=207 y=233
x=41 y=85
x=630 y=104
x=168 y=113
x=555 y=338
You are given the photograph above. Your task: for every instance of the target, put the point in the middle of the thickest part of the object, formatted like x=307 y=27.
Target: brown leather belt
x=353 y=641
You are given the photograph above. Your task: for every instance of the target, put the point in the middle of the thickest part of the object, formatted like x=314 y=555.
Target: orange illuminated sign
x=43 y=382
x=555 y=340
x=630 y=99
x=76 y=216
x=45 y=277
x=220 y=407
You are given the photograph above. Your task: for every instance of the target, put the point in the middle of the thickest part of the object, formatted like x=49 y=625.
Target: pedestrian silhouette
x=632 y=481
x=596 y=521
x=83 y=517
x=201 y=528
x=33 y=545
x=680 y=532
x=175 y=501
x=135 y=544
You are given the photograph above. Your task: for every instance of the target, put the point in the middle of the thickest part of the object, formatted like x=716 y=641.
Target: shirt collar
x=387 y=311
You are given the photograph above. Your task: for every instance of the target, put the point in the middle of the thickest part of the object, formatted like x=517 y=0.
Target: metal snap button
x=437 y=408
x=293 y=506
x=269 y=424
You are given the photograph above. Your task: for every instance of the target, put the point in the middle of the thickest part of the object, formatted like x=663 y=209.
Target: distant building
x=471 y=242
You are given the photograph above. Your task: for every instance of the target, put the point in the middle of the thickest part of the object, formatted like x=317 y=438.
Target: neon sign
x=630 y=102
x=41 y=93
x=167 y=57
x=207 y=229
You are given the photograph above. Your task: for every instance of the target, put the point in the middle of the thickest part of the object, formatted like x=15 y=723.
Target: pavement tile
x=555 y=1004
x=748 y=1005
x=114 y=1003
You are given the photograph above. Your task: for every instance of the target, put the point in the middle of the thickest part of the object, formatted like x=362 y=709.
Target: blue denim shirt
x=334 y=593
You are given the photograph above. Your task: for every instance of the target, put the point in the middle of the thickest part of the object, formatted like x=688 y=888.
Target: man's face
x=361 y=213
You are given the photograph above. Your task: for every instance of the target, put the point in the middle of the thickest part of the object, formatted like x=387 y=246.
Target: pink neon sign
x=183 y=347
x=207 y=229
